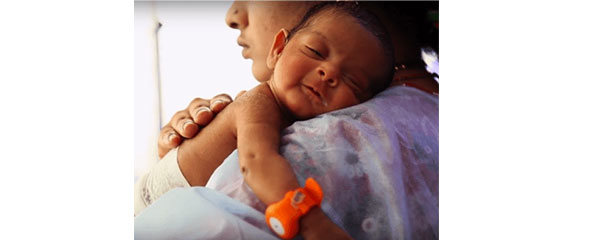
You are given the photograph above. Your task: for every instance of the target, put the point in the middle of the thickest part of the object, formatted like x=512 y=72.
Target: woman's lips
x=245 y=47
x=245 y=53
x=241 y=42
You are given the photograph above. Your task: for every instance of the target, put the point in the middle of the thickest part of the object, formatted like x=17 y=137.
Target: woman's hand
x=186 y=123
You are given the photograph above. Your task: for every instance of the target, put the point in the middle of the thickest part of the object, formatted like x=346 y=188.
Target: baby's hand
x=186 y=123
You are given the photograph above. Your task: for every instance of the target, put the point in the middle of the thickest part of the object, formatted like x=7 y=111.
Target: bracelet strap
x=283 y=216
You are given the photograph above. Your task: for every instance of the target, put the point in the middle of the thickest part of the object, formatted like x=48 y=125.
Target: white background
x=518 y=120
x=198 y=57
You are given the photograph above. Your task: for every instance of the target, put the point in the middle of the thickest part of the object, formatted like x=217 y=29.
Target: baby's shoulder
x=257 y=95
x=258 y=102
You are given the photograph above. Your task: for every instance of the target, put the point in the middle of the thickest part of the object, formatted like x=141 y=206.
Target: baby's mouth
x=318 y=95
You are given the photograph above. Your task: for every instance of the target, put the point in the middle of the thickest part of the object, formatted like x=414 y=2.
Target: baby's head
x=338 y=55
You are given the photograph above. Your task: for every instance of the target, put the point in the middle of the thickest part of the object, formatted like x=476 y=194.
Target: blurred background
x=192 y=54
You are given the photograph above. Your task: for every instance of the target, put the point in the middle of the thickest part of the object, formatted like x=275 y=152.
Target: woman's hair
x=411 y=25
x=366 y=19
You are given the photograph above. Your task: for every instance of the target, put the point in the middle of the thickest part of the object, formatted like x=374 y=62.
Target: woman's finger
x=183 y=124
x=199 y=110
x=186 y=123
x=167 y=140
x=219 y=102
x=170 y=135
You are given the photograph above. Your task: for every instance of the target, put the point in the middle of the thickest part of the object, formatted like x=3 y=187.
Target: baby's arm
x=198 y=157
x=259 y=124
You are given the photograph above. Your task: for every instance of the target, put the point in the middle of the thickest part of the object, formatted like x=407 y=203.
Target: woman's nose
x=329 y=76
x=237 y=15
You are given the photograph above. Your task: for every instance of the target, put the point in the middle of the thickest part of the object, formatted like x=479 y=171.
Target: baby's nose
x=328 y=76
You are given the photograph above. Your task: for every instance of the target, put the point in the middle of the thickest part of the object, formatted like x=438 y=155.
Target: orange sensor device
x=282 y=217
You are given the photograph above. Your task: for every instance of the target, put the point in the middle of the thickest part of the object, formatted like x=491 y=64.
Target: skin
x=258 y=21
x=317 y=73
x=312 y=67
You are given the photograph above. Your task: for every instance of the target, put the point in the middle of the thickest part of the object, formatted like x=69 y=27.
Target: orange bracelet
x=282 y=217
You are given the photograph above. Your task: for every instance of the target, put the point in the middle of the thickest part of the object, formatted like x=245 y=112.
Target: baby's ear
x=278 y=46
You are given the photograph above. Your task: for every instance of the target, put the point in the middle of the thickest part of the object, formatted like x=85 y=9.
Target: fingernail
x=186 y=123
x=215 y=102
x=202 y=109
x=171 y=136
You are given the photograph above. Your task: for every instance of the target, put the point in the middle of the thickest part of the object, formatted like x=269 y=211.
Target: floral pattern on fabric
x=376 y=162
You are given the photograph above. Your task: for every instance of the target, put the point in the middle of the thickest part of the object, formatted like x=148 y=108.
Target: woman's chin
x=261 y=72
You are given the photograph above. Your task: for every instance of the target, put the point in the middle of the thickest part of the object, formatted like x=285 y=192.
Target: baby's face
x=327 y=66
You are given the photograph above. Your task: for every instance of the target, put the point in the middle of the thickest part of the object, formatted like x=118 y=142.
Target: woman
x=417 y=150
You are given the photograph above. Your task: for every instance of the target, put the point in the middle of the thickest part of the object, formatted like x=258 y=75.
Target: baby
x=336 y=57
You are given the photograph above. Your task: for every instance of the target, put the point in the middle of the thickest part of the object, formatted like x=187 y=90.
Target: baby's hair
x=366 y=19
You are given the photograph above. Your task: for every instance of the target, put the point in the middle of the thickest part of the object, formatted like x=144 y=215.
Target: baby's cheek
x=343 y=98
x=298 y=105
